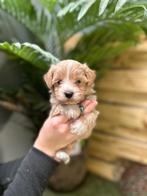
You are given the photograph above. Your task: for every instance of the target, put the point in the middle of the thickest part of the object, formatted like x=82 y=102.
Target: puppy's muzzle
x=68 y=94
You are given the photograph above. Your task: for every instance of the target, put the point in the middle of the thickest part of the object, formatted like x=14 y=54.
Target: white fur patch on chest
x=71 y=111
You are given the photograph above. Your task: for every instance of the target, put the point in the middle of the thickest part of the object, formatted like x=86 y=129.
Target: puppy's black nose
x=68 y=94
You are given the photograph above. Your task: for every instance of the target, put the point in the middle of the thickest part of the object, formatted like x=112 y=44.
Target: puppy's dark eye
x=78 y=81
x=59 y=82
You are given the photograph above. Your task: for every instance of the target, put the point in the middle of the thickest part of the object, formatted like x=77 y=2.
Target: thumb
x=90 y=107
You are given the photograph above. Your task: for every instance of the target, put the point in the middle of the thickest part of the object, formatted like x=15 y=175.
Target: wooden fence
x=120 y=135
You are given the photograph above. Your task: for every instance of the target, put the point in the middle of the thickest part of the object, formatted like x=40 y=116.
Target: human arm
x=32 y=176
x=35 y=169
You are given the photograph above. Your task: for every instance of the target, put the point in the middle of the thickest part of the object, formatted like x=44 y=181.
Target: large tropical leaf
x=30 y=53
x=114 y=17
x=118 y=25
x=54 y=31
x=12 y=31
x=29 y=13
x=132 y=11
x=95 y=48
x=83 y=6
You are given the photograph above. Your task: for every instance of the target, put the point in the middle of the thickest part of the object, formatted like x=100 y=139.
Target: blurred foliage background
x=36 y=33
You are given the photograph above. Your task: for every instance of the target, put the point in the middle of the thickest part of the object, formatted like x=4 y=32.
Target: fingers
x=86 y=103
x=89 y=106
x=57 y=122
x=64 y=128
x=60 y=119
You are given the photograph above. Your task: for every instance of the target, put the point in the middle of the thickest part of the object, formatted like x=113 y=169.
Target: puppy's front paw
x=63 y=156
x=77 y=128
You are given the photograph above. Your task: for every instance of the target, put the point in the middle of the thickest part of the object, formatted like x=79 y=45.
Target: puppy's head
x=70 y=81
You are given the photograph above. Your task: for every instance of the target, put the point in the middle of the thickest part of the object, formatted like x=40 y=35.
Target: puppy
x=70 y=83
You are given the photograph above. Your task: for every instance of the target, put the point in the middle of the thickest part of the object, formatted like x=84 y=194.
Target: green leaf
x=119 y=4
x=66 y=9
x=85 y=8
x=103 y=5
x=54 y=31
x=133 y=13
x=31 y=14
x=49 y=4
x=77 y=4
x=83 y=5
x=30 y=53
x=108 y=40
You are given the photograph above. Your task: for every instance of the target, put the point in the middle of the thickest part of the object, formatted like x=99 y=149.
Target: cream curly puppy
x=70 y=83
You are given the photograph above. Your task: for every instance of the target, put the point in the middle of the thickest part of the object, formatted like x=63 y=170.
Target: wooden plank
x=126 y=74
x=112 y=171
x=123 y=98
x=124 y=80
x=121 y=147
x=101 y=155
x=133 y=58
x=116 y=115
x=124 y=132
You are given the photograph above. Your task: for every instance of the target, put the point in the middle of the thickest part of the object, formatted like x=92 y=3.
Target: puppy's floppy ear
x=90 y=75
x=48 y=77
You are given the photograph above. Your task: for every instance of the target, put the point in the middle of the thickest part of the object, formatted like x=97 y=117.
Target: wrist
x=38 y=145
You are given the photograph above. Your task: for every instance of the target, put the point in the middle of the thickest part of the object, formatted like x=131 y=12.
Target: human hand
x=88 y=113
x=84 y=125
x=89 y=106
x=55 y=133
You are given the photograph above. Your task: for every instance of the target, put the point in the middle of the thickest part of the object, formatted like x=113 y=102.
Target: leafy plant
x=42 y=28
x=30 y=53
x=104 y=7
